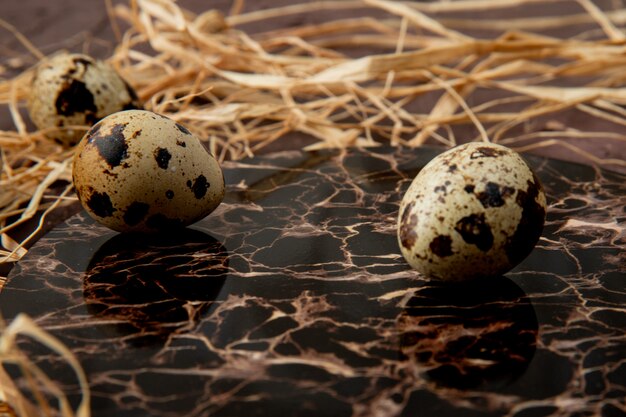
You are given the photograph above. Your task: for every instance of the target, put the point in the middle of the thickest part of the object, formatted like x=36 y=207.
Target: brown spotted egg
x=70 y=91
x=474 y=211
x=139 y=171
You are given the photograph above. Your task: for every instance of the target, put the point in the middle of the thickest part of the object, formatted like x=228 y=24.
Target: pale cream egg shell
x=70 y=90
x=474 y=211
x=139 y=171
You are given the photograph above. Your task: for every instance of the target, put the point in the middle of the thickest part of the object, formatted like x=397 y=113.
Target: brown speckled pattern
x=476 y=210
x=70 y=91
x=293 y=299
x=140 y=171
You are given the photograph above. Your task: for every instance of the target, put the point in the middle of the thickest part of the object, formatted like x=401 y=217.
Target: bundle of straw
x=41 y=387
x=372 y=72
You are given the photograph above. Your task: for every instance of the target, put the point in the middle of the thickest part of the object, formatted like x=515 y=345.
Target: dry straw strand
x=24 y=326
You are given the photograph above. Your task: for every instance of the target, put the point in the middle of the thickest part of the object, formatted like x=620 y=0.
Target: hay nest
x=434 y=73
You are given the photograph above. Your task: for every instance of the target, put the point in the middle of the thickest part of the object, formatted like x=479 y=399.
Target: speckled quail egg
x=73 y=90
x=474 y=211
x=140 y=171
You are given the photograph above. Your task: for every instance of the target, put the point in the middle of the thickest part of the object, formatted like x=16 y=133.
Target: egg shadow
x=155 y=284
x=480 y=335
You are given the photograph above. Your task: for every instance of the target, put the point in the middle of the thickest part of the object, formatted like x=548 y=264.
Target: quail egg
x=474 y=211
x=72 y=90
x=136 y=170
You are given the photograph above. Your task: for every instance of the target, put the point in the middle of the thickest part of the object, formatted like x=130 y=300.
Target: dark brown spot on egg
x=135 y=213
x=169 y=194
x=183 y=129
x=199 y=187
x=441 y=246
x=452 y=168
x=441 y=189
x=181 y=143
x=475 y=231
x=137 y=133
x=75 y=98
x=408 y=221
x=162 y=157
x=100 y=204
x=82 y=61
x=529 y=228
x=487 y=152
x=112 y=146
x=161 y=222
x=469 y=188
x=110 y=173
x=494 y=196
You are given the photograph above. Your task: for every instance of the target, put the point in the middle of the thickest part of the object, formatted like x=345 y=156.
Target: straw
x=38 y=382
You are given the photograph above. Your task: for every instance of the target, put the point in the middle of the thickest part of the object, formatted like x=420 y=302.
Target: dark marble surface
x=292 y=299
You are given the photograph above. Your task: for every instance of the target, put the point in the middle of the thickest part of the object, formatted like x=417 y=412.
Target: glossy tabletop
x=292 y=299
